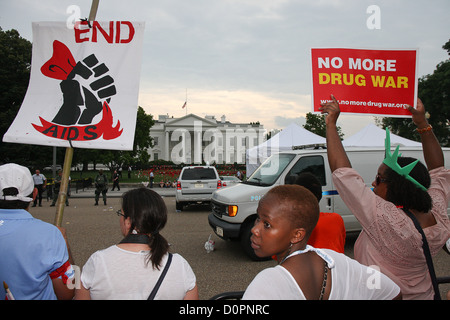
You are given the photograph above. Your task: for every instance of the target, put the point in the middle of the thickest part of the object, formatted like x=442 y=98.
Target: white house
x=193 y=139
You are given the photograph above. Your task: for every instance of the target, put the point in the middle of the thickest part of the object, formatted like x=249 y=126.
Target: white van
x=234 y=208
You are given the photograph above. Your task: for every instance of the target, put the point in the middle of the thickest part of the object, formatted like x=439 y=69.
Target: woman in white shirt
x=286 y=217
x=131 y=269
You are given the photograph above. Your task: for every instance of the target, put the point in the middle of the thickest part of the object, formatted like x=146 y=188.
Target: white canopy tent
x=291 y=136
x=373 y=136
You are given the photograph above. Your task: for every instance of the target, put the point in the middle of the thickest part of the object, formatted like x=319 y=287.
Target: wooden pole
x=62 y=196
x=94 y=8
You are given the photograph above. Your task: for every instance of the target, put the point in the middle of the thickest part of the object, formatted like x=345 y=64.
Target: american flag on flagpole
x=184 y=105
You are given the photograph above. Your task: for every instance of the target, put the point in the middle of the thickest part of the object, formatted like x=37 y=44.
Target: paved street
x=91 y=228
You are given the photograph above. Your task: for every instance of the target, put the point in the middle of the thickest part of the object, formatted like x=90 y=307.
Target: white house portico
x=193 y=139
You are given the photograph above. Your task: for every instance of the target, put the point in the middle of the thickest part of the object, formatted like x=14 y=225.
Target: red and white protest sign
x=365 y=81
x=84 y=86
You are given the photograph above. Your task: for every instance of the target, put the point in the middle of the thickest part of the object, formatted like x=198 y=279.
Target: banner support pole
x=62 y=196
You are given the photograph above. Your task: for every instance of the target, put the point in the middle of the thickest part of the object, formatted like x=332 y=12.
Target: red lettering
x=79 y=31
x=131 y=33
x=104 y=128
x=108 y=37
x=111 y=35
x=117 y=31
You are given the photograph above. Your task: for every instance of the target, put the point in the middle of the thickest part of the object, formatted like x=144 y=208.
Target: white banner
x=84 y=86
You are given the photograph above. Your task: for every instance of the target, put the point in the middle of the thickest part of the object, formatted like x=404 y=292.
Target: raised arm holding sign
x=402 y=191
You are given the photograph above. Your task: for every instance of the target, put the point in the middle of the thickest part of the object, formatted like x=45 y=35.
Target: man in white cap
x=35 y=260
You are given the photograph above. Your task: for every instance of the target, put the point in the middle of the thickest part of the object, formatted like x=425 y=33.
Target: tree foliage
x=15 y=55
x=316 y=124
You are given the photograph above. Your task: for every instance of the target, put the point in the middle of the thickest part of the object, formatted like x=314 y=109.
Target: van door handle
x=329 y=203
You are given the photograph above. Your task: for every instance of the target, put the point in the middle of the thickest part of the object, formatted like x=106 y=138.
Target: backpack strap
x=161 y=278
x=426 y=251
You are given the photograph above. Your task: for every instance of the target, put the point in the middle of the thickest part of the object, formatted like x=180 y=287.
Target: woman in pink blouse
x=389 y=238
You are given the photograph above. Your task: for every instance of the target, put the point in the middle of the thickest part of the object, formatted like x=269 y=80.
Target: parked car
x=196 y=184
x=228 y=181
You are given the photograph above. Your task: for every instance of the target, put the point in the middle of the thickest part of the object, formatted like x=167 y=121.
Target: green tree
x=316 y=124
x=434 y=91
x=15 y=55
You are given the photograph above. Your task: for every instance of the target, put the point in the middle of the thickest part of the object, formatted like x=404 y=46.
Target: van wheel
x=245 y=241
x=179 y=206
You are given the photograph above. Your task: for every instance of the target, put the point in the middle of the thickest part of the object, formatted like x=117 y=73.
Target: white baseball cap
x=16 y=176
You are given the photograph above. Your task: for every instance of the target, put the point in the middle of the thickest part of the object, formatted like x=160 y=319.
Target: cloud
x=239 y=106
x=283 y=122
x=248 y=59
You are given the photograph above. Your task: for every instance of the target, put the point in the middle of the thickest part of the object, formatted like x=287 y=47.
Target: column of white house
x=197 y=142
x=166 y=147
x=180 y=153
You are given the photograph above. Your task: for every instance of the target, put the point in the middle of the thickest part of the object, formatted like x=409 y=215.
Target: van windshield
x=268 y=172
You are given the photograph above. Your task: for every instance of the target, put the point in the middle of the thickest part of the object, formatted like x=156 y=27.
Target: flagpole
x=62 y=196
x=186 y=101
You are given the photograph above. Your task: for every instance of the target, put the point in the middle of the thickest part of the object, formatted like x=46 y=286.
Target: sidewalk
x=124 y=187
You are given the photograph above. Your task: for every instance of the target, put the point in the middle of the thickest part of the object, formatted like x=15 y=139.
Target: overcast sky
x=249 y=59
